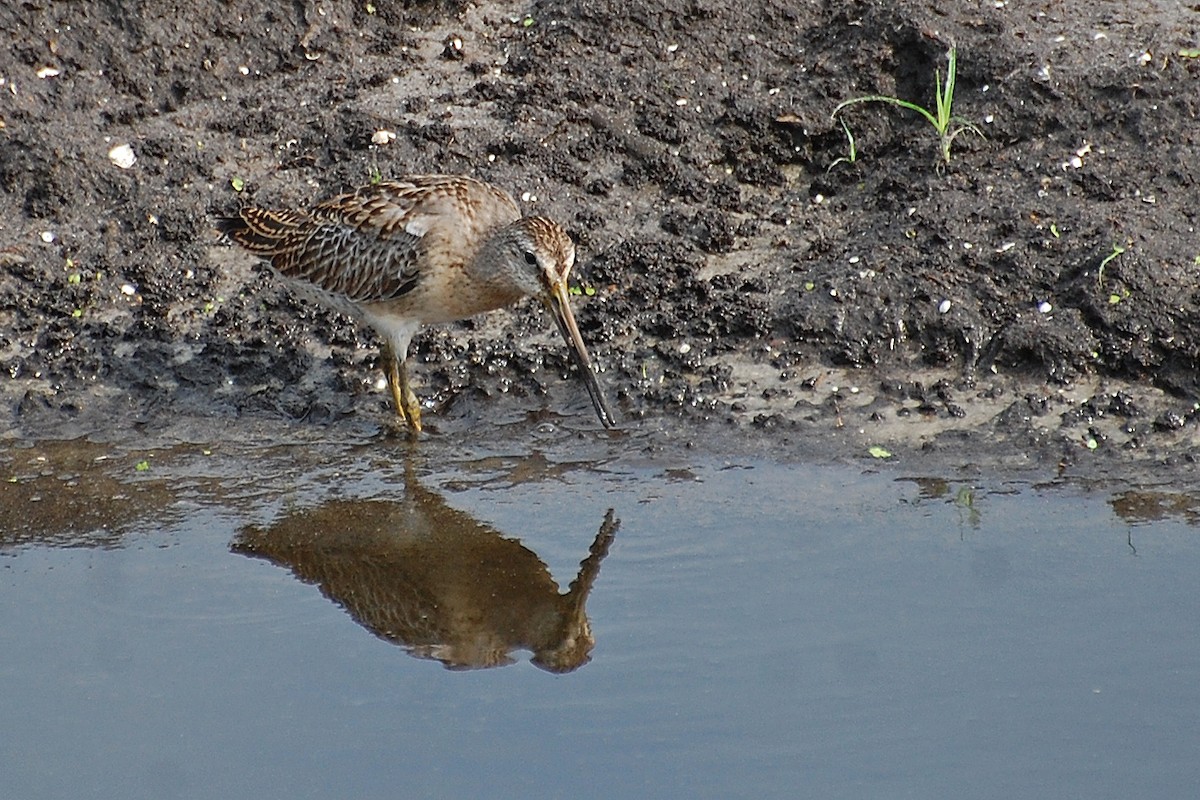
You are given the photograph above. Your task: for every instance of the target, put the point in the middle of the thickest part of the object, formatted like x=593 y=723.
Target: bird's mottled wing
x=367 y=246
x=354 y=245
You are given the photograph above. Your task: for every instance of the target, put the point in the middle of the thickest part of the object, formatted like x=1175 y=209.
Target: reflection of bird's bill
x=560 y=305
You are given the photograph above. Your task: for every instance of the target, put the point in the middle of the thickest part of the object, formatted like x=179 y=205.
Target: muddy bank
x=739 y=278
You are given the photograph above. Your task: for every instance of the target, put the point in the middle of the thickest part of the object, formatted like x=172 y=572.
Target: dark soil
x=1038 y=294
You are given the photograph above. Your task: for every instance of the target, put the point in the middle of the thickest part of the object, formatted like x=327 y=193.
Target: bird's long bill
x=560 y=304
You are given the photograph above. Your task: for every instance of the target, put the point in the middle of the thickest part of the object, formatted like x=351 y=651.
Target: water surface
x=358 y=618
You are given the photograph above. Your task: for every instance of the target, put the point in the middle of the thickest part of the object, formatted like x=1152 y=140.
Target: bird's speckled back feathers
x=367 y=245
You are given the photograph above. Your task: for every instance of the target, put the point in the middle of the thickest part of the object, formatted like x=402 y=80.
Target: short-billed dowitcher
x=419 y=250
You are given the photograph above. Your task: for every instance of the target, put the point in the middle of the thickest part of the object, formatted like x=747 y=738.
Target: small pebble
x=122 y=155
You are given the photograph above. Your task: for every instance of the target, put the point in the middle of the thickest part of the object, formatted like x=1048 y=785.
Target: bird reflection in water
x=436 y=581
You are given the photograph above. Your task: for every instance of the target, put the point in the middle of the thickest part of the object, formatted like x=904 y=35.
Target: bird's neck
x=489 y=272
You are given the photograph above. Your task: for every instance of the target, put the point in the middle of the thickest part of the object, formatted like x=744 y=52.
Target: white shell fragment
x=122 y=155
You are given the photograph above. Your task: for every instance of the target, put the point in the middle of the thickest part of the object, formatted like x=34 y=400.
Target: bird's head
x=536 y=255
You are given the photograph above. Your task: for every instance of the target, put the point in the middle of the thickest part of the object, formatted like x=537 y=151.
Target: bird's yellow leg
x=412 y=406
x=407 y=407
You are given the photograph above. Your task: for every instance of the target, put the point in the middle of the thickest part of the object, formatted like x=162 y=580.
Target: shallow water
x=311 y=617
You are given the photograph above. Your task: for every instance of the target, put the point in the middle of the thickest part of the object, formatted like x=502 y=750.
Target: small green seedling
x=1116 y=251
x=237 y=183
x=948 y=125
x=852 y=154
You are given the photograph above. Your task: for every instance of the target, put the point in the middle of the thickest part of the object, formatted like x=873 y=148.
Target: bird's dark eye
x=530 y=259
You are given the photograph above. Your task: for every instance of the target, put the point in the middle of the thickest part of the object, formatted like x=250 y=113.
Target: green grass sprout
x=943 y=119
x=852 y=152
x=1116 y=251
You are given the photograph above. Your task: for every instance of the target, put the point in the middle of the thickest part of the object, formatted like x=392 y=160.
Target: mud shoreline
x=1035 y=300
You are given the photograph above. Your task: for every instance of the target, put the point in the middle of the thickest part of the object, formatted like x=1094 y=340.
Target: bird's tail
x=261 y=231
